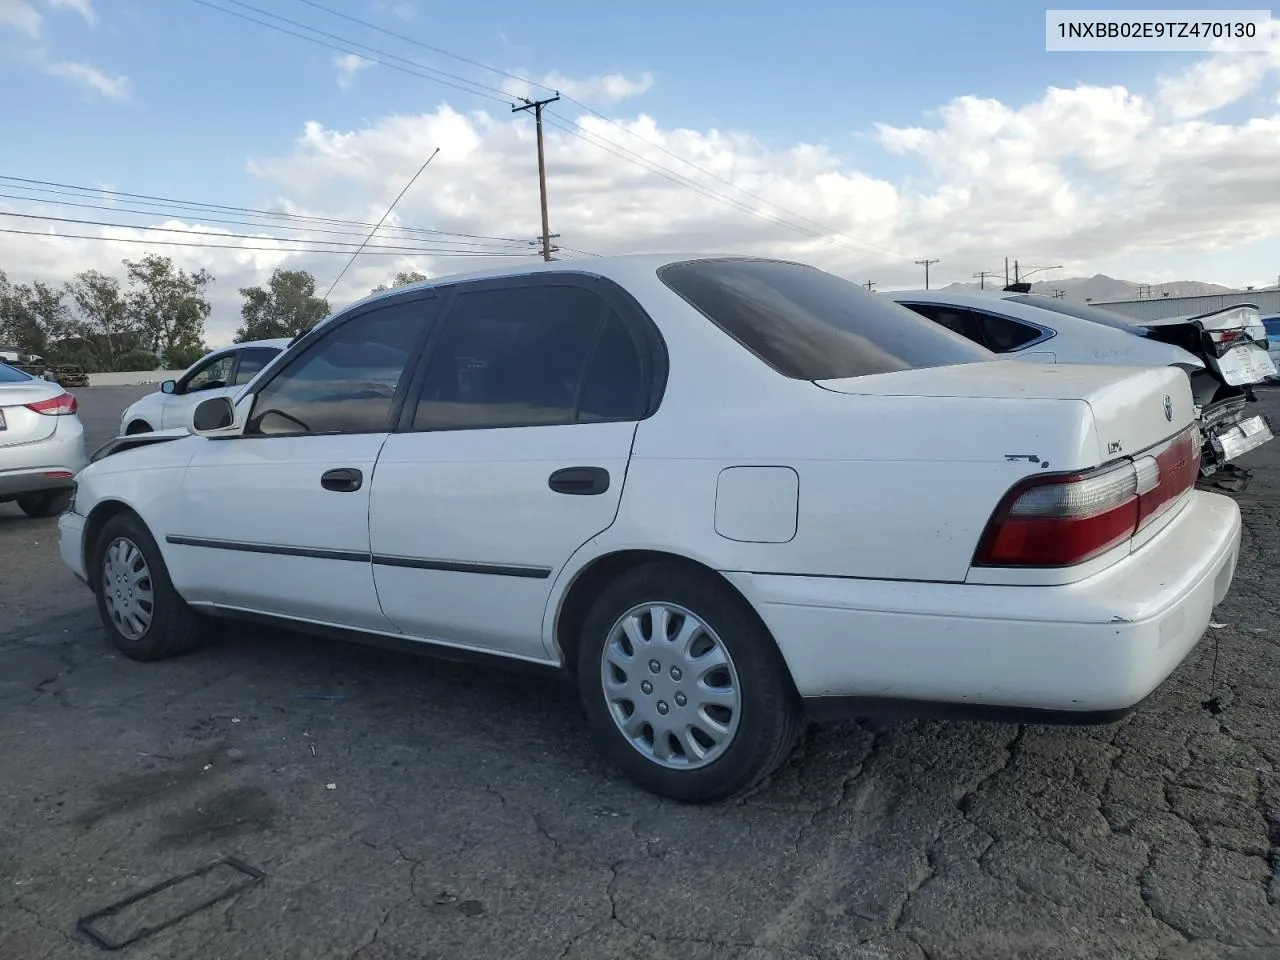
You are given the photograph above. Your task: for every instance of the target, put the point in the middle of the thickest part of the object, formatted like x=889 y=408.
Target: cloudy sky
x=856 y=139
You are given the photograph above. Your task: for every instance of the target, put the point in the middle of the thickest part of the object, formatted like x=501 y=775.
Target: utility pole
x=1058 y=293
x=925 y=264
x=870 y=284
x=1006 y=271
x=983 y=274
x=1015 y=272
x=536 y=106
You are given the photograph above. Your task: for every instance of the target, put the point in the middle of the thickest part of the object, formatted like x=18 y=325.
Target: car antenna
x=343 y=272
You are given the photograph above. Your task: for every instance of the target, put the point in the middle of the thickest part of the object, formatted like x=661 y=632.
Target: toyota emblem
x=1168 y=408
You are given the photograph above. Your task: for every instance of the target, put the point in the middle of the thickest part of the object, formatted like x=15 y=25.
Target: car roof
x=623 y=269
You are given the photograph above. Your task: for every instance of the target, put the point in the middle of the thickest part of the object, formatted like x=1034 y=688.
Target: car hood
x=118 y=445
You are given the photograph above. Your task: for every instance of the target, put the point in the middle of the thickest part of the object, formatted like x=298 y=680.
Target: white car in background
x=1224 y=353
x=41 y=443
x=723 y=495
x=217 y=373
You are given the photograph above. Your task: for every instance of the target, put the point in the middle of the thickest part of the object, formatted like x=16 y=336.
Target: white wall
x=135 y=377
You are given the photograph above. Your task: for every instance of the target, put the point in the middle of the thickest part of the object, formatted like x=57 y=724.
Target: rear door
x=512 y=456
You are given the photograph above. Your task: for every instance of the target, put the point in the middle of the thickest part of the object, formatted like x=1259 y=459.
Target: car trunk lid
x=1133 y=408
x=18 y=422
x=1232 y=342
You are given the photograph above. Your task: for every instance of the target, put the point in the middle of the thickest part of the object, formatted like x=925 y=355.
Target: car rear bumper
x=1082 y=652
x=44 y=464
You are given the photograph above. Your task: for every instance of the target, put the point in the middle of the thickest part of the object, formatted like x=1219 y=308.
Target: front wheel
x=145 y=616
x=683 y=686
x=138 y=426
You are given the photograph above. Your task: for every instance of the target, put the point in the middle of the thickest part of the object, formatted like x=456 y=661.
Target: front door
x=211 y=378
x=277 y=520
x=513 y=456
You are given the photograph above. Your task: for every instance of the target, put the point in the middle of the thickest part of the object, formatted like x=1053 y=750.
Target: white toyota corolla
x=722 y=494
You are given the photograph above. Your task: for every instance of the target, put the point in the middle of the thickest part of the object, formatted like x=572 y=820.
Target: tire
x=138 y=426
x=173 y=627
x=47 y=503
x=754 y=736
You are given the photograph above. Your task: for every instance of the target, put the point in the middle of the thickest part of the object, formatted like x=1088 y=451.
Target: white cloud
x=348 y=65
x=20 y=15
x=1100 y=179
x=82 y=7
x=609 y=88
x=115 y=87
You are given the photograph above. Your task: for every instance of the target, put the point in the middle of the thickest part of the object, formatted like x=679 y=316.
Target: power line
x=153 y=200
x=625 y=154
x=430 y=72
x=596 y=113
x=222 y=220
x=380 y=249
x=205 y=233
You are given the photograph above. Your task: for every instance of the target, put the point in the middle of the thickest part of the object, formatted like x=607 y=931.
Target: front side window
x=516 y=357
x=212 y=375
x=344 y=382
x=811 y=325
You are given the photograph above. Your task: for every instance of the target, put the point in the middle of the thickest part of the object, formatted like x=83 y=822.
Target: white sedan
x=724 y=495
x=217 y=373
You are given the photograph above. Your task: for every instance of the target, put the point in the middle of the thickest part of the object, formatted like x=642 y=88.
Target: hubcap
x=670 y=685
x=126 y=588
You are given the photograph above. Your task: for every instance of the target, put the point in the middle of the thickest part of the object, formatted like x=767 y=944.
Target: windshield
x=811 y=325
x=10 y=375
x=1105 y=317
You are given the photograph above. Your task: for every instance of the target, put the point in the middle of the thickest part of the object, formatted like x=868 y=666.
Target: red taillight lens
x=1059 y=520
x=60 y=406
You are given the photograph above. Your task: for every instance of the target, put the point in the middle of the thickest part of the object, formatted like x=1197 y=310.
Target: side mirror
x=215 y=417
x=169 y=386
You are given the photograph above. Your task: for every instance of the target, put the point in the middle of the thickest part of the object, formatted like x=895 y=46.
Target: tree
x=167 y=306
x=104 y=319
x=285 y=308
x=403 y=278
x=32 y=317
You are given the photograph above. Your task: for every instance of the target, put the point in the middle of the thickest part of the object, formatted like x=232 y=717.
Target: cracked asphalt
x=469 y=817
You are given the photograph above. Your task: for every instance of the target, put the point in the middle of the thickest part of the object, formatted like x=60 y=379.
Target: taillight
x=1224 y=340
x=60 y=406
x=1058 y=520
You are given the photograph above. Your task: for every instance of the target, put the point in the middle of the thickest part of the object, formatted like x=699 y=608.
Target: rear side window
x=810 y=325
x=518 y=356
x=251 y=362
x=10 y=375
x=1003 y=334
x=955 y=320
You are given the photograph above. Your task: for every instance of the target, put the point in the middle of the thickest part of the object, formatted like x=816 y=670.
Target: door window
x=1004 y=334
x=251 y=362
x=212 y=375
x=516 y=357
x=346 y=381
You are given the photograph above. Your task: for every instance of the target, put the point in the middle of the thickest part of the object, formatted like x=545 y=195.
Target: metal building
x=1157 y=308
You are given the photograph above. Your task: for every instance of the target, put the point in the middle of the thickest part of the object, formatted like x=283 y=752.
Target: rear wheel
x=683 y=686
x=145 y=615
x=138 y=426
x=47 y=503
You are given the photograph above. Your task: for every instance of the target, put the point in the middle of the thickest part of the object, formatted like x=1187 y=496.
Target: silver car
x=41 y=443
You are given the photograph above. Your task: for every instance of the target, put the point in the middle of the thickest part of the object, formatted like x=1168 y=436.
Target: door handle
x=342 y=480
x=580 y=481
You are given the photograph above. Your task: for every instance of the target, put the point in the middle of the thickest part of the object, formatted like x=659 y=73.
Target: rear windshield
x=10 y=375
x=1105 y=317
x=811 y=325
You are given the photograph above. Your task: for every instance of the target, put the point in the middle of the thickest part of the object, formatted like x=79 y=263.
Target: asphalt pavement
x=389 y=806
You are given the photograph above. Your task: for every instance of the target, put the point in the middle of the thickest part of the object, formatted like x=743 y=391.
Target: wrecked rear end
x=1232 y=344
